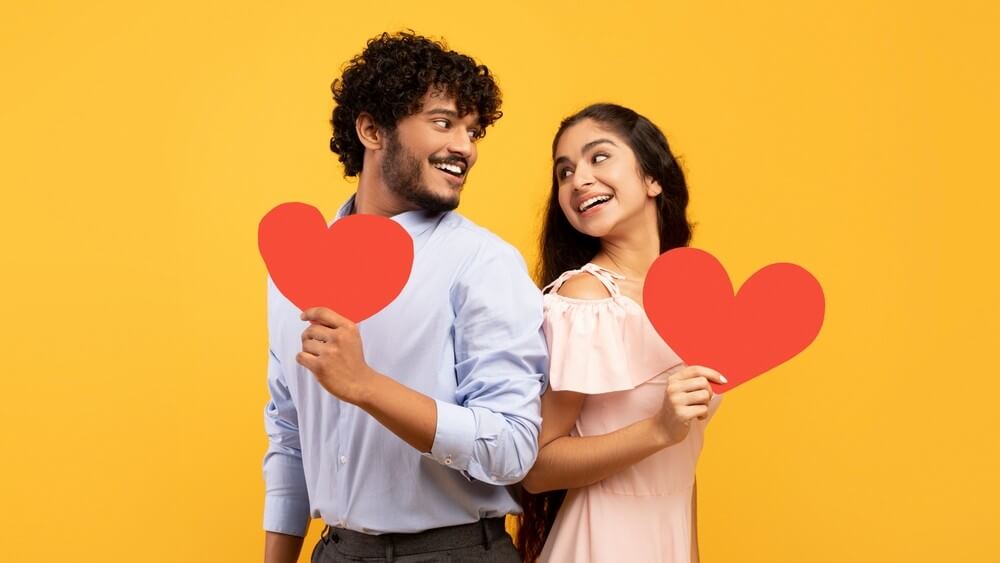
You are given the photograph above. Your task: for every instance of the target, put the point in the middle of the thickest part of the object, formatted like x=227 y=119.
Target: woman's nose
x=582 y=178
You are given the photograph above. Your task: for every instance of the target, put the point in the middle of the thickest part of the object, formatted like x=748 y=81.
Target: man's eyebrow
x=442 y=111
x=586 y=148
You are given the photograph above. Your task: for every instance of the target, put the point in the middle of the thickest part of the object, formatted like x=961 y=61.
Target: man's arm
x=286 y=500
x=490 y=431
x=281 y=548
x=333 y=352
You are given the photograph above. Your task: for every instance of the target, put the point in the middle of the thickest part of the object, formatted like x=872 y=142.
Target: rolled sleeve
x=491 y=432
x=286 y=499
x=454 y=436
x=286 y=508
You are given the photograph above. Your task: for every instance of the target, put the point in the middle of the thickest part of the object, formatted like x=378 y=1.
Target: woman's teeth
x=587 y=204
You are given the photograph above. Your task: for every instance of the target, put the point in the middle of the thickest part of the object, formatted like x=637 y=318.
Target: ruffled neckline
x=616 y=295
x=601 y=345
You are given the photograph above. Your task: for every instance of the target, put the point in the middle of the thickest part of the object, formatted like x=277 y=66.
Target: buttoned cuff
x=286 y=516
x=454 y=436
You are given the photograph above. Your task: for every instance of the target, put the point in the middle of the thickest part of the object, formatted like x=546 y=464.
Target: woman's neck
x=633 y=263
x=632 y=250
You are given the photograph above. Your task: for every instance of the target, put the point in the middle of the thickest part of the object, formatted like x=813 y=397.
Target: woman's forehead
x=584 y=135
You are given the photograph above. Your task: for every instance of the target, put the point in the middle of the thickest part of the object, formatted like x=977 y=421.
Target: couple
x=413 y=433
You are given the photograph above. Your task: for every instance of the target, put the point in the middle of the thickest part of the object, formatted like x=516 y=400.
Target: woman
x=623 y=418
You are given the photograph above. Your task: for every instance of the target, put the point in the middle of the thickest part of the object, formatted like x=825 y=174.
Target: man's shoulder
x=481 y=253
x=479 y=241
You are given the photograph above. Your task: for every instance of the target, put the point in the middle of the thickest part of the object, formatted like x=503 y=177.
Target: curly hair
x=388 y=80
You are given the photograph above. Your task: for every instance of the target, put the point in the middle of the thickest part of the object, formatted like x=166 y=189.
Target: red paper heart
x=356 y=267
x=776 y=314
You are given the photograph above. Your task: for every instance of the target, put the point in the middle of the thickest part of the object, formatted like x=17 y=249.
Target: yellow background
x=142 y=142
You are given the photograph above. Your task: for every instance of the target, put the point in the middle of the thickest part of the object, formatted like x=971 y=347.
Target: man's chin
x=435 y=203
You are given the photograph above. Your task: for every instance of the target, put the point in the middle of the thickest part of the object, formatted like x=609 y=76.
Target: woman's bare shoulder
x=584 y=286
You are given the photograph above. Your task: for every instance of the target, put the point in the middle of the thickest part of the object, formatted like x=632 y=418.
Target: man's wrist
x=365 y=397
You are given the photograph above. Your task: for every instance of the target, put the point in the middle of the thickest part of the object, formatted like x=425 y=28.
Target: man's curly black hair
x=389 y=79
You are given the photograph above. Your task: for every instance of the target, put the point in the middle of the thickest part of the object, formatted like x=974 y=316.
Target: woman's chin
x=593 y=227
x=596 y=232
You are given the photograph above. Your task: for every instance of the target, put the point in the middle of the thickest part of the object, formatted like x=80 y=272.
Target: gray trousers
x=485 y=541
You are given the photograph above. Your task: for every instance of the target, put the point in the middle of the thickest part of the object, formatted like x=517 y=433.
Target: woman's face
x=601 y=186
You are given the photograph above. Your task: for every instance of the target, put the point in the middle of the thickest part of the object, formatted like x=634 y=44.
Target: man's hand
x=331 y=349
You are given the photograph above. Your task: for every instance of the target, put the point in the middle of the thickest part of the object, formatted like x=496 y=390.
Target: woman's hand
x=685 y=399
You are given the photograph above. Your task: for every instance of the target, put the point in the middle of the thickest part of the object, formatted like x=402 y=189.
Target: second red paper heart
x=776 y=314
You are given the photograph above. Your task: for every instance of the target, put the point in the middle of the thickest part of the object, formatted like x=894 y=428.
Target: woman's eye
x=564 y=173
x=601 y=157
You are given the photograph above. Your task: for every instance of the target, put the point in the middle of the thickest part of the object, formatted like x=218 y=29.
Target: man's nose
x=461 y=144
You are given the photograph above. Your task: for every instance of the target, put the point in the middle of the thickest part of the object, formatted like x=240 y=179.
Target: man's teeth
x=593 y=201
x=451 y=168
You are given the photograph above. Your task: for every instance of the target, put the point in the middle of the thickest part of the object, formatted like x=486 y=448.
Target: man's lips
x=451 y=178
x=453 y=171
x=453 y=167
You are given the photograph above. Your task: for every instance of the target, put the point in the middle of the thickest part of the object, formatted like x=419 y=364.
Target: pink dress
x=608 y=349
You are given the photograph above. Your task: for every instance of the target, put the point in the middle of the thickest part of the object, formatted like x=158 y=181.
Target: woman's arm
x=568 y=462
x=695 y=555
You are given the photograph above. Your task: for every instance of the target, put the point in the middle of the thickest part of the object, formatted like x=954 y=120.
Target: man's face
x=429 y=155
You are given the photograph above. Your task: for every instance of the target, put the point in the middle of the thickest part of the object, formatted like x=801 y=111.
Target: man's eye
x=473 y=134
x=442 y=122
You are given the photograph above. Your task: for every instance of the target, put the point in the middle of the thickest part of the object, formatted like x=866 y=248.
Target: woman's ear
x=368 y=132
x=653 y=188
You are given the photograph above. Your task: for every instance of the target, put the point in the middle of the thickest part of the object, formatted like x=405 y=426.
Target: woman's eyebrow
x=596 y=142
x=586 y=148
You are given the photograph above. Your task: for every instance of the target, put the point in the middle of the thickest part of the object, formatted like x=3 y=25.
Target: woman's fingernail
x=723 y=378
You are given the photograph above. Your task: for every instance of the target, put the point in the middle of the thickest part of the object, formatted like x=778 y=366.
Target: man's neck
x=374 y=198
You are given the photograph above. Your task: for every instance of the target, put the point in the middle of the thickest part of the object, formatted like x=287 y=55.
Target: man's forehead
x=438 y=101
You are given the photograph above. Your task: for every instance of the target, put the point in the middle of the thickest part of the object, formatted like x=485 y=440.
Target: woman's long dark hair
x=564 y=248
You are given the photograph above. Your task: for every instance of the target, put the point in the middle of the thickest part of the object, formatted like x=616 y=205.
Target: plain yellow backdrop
x=142 y=142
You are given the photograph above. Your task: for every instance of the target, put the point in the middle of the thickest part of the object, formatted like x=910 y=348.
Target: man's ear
x=368 y=132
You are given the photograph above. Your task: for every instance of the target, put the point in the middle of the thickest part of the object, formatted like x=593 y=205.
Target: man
x=402 y=431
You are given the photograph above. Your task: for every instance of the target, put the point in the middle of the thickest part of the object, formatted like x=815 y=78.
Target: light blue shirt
x=466 y=331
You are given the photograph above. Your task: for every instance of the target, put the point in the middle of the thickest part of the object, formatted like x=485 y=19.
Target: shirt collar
x=415 y=222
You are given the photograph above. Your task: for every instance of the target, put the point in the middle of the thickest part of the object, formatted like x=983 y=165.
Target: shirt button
x=494 y=477
x=343 y=459
x=447 y=460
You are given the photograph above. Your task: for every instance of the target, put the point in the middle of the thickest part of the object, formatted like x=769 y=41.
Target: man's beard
x=401 y=173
